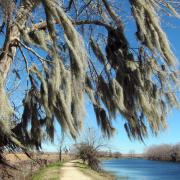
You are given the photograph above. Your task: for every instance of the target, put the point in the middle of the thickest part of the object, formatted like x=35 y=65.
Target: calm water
x=140 y=169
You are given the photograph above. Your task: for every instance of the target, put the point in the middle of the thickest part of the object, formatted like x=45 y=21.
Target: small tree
x=61 y=144
x=132 y=153
x=88 y=149
x=89 y=154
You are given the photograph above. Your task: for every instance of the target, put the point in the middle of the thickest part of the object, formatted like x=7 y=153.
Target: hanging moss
x=149 y=31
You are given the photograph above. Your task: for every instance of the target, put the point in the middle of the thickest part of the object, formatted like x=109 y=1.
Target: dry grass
x=12 y=158
x=16 y=157
x=25 y=167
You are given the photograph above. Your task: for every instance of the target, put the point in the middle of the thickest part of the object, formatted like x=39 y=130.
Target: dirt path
x=69 y=171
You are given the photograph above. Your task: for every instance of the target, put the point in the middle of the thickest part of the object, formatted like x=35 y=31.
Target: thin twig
x=34 y=52
x=25 y=59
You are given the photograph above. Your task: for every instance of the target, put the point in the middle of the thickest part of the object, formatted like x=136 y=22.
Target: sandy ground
x=70 y=172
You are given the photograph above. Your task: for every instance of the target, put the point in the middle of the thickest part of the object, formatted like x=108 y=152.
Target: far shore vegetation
x=163 y=152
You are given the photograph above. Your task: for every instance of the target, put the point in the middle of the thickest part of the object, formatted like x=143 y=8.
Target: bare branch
x=25 y=59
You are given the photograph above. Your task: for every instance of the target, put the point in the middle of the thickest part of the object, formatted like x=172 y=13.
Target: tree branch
x=43 y=25
x=34 y=52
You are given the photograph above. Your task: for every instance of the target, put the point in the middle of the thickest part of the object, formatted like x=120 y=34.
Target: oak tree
x=62 y=50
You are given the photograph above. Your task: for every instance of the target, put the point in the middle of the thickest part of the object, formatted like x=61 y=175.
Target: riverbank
x=101 y=175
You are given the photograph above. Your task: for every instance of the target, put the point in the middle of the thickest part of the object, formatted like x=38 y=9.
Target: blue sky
x=120 y=141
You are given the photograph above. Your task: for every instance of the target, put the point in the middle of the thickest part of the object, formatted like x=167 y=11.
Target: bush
x=89 y=155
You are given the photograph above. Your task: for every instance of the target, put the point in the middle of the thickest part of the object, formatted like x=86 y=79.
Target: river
x=141 y=169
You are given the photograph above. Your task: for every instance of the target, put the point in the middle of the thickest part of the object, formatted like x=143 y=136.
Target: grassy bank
x=102 y=175
x=49 y=172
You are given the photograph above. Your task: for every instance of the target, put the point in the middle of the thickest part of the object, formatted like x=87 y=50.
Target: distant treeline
x=164 y=152
x=109 y=154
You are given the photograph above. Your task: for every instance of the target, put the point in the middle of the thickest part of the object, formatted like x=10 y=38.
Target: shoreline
x=95 y=175
x=149 y=159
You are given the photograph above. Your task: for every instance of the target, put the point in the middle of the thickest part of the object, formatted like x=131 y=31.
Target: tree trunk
x=60 y=155
x=6 y=58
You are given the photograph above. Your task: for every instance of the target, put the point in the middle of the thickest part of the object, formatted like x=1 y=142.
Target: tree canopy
x=62 y=50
